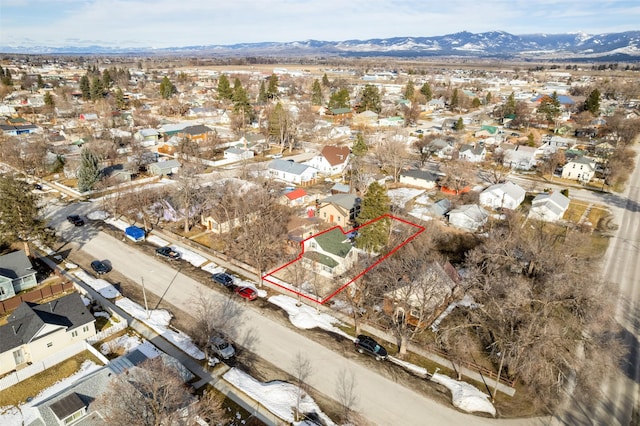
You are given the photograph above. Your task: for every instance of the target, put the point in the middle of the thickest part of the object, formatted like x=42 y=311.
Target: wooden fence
x=34 y=296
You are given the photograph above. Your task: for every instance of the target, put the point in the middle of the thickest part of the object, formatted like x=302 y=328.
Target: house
x=435 y=105
x=486 y=132
x=549 y=207
x=16 y=274
x=472 y=153
x=34 y=332
x=340 y=115
x=339 y=209
x=332 y=160
x=440 y=208
x=292 y=172
x=365 y=119
x=470 y=217
x=330 y=253
x=221 y=221
x=419 y=178
x=391 y=121
x=147 y=137
x=163 y=168
x=88 y=117
x=420 y=301
x=581 y=169
x=518 y=156
x=506 y=195
x=440 y=148
x=297 y=197
x=196 y=133
x=237 y=154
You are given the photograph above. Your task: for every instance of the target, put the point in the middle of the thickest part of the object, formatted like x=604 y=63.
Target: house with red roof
x=297 y=197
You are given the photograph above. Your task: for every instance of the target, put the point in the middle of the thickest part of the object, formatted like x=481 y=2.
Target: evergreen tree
x=224 y=88
x=550 y=107
x=85 y=87
x=370 y=99
x=241 y=102
x=426 y=91
x=262 y=95
x=488 y=98
x=509 y=106
x=375 y=204
x=167 y=89
x=106 y=79
x=40 y=82
x=454 y=99
x=88 y=172
x=21 y=219
x=359 y=147
x=475 y=103
x=592 y=103
x=459 y=125
x=272 y=89
x=48 y=101
x=316 y=93
x=120 y=101
x=409 y=90
x=97 y=91
x=6 y=77
x=325 y=80
x=340 y=99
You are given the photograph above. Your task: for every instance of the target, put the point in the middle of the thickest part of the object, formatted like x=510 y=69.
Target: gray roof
x=420 y=174
x=198 y=129
x=346 y=201
x=511 y=189
x=25 y=322
x=441 y=207
x=164 y=165
x=555 y=201
x=66 y=406
x=288 y=166
x=15 y=265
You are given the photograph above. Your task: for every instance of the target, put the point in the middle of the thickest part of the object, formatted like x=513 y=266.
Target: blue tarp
x=135 y=233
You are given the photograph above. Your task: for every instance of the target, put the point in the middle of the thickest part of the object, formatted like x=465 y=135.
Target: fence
x=116 y=327
x=35 y=295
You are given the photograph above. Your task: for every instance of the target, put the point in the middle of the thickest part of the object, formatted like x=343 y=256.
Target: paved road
x=621 y=268
x=380 y=400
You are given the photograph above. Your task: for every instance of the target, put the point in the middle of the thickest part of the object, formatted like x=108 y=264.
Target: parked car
x=75 y=219
x=100 y=267
x=276 y=156
x=167 y=252
x=246 y=293
x=221 y=347
x=222 y=278
x=366 y=344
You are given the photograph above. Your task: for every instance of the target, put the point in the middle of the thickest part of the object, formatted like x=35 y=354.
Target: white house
x=419 y=178
x=473 y=154
x=291 y=172
x=469 y=216
x=237 y=154
x=518 y=156
x=332 y=160
x=581 y=169
x=549 y=207
x=506 y=195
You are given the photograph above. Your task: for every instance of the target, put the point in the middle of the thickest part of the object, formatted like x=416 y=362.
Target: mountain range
x=623 y=46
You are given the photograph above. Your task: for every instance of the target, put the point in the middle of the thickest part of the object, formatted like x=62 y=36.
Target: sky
x=172 y=23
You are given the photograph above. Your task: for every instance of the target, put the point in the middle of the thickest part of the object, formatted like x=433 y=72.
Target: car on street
x=246 y=293
x=75 y=219
x=368 y=345
x=100 y=267
x=221 y=347
x=168 y=253
x=222 y=278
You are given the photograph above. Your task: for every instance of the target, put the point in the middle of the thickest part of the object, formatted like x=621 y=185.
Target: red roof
x=336 y=154
x=295 y=194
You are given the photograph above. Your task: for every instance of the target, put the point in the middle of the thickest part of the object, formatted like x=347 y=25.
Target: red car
x=246 y=292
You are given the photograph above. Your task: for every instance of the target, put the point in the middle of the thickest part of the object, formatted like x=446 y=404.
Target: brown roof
x=336 y=154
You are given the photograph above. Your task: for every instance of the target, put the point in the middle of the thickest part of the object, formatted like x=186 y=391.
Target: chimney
x=13 y=327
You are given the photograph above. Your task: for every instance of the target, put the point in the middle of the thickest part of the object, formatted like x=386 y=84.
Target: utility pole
x=144 y=295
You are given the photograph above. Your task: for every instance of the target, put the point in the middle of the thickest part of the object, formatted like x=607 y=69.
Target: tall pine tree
x=88 y=173
x=224 y=88
x=375 y=235
x=167 y=89
x=272 y=89
x=85 y=87
x=426 y=91
x=409 y=90
x=316 y=93
x=592 y=103
x=370 y=99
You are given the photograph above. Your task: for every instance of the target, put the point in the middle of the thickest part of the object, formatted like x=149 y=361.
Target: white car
x=221 y=347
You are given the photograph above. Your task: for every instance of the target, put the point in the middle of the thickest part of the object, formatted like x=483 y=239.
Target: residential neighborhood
x=425 y=206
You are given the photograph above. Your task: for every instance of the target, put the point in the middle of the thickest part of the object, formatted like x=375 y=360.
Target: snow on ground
x=187 y=255
x=401 y=196
x=276 y=396
x=306 y=317
x=97 y=215
x=130 y=343
x=212 y=268
x=158 y=320
x=244 y=283
x=417 y=370
x=85 y=300
x=421 y=212
x=105 y=288
x=466 y=301
x=12 y=416
x=465 y=396
x=424 y=199
x=157 y=241
x=102 y=314
x=118 y=223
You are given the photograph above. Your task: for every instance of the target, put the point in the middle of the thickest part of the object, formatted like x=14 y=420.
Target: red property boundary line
x=420 y=229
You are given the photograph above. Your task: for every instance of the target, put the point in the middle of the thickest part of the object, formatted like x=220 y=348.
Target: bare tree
x=392 y=155
x=302 y=370
x=214 y=316
x=189 y=194
x=458 y=174
x=154 y=394
x=346 y=393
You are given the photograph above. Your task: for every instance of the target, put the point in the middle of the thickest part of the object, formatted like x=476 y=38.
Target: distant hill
x=495 y=44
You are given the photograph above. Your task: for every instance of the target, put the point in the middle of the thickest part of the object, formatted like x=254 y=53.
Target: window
x=2 y=291
x=85 y=328
x=49 y=344
x=75 y=416
x=74 y=333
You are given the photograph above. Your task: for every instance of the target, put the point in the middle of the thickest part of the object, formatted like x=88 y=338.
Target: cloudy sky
x=169 y=23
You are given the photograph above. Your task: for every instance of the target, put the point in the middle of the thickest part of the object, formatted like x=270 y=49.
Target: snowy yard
x=105 y=288
x=128 y=343
x=402 y=196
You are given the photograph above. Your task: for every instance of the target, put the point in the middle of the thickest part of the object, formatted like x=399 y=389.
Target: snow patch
x=465 y=396
x=98 y=215
x=105 y=288
x=128 y=344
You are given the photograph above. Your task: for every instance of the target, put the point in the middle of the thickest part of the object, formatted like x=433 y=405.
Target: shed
x=134 y=233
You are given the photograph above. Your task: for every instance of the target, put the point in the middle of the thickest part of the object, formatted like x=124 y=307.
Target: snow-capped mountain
x=617 y=46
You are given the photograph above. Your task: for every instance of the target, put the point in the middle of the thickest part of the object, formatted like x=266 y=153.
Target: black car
x=366 y=344
x=222 y=278
x=168 y=253
x=75 y=219
x=100 y=267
